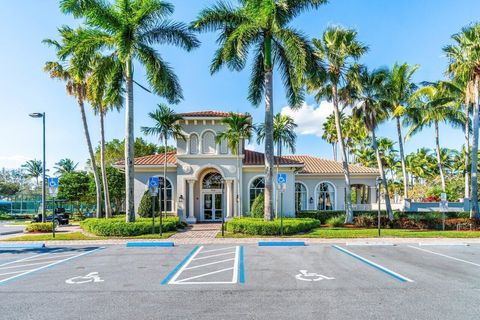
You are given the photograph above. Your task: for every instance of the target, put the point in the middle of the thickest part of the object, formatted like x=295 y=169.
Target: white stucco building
x=203 y=182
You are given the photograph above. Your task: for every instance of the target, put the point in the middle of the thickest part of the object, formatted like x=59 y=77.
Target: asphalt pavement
x=242 y=281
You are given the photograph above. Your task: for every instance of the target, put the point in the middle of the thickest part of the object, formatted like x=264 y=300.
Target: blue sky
x=410 y=31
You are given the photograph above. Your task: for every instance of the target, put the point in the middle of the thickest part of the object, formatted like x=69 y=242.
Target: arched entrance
x=212 y=197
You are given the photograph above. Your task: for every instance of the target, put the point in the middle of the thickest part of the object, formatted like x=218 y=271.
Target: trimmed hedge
x=117 y=227
x=39 y=227
x=257 y=226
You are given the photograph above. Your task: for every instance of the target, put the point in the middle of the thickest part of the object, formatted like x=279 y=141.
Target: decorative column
x=229 y=198
x=191 y=204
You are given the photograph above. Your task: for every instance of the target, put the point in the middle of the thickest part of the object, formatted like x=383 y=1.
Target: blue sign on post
x=153 y=183
x=282 y=178
x=52 y=185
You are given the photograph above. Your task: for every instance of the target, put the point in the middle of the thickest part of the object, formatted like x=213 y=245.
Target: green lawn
x=81 y=236
x=331 y=233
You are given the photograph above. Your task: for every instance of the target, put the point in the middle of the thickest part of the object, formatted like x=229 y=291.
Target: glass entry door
x=212 y=206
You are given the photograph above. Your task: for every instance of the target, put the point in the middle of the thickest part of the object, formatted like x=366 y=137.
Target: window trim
x=306 y=192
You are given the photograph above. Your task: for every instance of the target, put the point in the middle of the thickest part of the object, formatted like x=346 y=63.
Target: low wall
x=411 y=206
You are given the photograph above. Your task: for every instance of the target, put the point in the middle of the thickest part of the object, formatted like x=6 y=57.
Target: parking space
x=242 y=280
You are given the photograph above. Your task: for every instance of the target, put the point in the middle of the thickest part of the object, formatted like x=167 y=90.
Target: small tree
x=258 y=206
x=116 y=186
x=145 y=207
x=74 y=187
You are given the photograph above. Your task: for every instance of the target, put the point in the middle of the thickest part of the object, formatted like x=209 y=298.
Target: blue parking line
x=49 y=265
x=281 y=244
x=23 y=246
x=374 y=265
x=150 y=244
x=241 y=267
x=175 y=270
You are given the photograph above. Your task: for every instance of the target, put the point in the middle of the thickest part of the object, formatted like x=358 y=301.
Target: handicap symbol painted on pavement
x=91 y=277
x=304 y=275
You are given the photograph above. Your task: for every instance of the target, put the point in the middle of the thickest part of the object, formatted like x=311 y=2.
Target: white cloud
x=310 y=118
x=251 y=145
x=14 y=161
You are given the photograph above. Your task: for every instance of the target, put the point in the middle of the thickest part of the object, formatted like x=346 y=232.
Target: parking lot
x=334 y=281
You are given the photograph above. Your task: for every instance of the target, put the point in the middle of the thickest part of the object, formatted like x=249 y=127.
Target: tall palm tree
x=239 y=129
x=104 y=92
x=166 y=126
x=65 y=166
x=432 y=106
x=74 y=71
x=369 y=94
x=330 y=133
x=128 y=29
x=464 y=63
x=33 y=169
x=336 y=52
x=262 y=26
x=283 y=136
x=399 y=89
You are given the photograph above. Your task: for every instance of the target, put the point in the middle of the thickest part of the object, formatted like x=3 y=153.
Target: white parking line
x=197 y=256
x=27 y=258
x=445 y=256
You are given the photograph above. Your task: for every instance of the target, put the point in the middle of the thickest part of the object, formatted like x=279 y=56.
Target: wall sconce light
x=310 y=200
x=180 y=199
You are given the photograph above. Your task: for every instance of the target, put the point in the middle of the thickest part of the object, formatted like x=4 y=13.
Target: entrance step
x=199 y=231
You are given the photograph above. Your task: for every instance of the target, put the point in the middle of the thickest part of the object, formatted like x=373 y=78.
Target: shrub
x=39 y=227
x=336 y=221
x=257 y=226
x=258 y=206
x=119 y=228
x=145 y=207
x=370 y=221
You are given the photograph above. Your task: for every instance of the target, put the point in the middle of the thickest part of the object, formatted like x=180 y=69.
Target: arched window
x=212 y=180
x=169 y=195
x=256 y=187
x=208 y=143
x=325 y=193
x=223 y=147
x=300 y=197
x=193 y=144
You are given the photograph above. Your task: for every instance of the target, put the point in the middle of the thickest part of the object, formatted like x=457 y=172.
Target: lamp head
x=36 y=115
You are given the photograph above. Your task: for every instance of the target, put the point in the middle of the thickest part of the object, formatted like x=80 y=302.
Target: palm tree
x=239 y=129
x=330 y=133
x=65 y=166
x=33 y=169
x=74 y=72
x=262 y=26
x=369 y=93
x=464 y=58
x=283 y=136
x=104 y=92
x=431 y=106
x=336 y=52
x=166 y=126
x=129 y=29
x=399 y=88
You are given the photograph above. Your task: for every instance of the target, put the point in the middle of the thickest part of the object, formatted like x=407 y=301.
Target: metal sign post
x=282 y=187
x=52 y=190
x=153 y=189
x=378 y=181
x=443 y=208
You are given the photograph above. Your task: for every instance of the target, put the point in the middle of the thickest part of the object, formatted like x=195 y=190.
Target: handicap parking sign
x=153 y=183
x=282 y=178
x=53 y=182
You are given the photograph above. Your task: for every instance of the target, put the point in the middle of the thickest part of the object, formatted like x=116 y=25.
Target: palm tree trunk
x=268 y=214
x=343 y=153
x=106 y=193
x=165 y=176
x=334 y=151
x=382 y=175
x=467 y=147
x=474 y=169
x=439 y=159
x=237 y=198
x=277 y=192
x=402 y=158
x=98 y=189
x=129 y=146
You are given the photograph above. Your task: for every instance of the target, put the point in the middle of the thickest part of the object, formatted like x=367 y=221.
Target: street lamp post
x=44 y=207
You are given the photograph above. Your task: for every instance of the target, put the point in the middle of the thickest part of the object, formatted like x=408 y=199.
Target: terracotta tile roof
x=154 y=159
x=253 y=158
x=314 y=165
x=206 y=114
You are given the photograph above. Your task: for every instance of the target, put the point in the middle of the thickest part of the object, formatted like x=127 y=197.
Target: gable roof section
x=253 y=158
x=154 y=159
x=314 y=165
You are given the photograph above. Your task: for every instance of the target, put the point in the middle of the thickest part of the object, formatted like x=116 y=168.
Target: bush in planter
x=39 y=227
x=258 y=206
x=120 y=228
x=257 y=226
